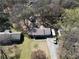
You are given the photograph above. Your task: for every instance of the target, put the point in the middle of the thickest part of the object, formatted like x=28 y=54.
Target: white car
x=53 y=32
x=54 y=36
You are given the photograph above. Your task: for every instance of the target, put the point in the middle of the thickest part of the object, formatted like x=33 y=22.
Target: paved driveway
x=52 y=48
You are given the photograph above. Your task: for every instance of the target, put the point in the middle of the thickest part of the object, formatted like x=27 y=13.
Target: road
x=52 y=48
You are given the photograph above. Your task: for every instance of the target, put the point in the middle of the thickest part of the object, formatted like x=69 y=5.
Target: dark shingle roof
x=40 y=32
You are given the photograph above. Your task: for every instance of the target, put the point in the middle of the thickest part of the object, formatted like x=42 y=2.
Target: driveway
x=52 y=48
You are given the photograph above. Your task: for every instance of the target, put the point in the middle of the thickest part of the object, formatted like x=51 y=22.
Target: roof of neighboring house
x=7 y=38
x=7 y=35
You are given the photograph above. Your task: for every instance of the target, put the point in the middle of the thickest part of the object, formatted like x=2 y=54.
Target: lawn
x=26 y=49
x=30 y=45
x=42 y=45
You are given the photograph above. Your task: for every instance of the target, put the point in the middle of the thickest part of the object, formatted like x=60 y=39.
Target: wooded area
x=58 y=14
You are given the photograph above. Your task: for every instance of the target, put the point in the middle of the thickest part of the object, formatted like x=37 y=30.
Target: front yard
x=30 y=45
x=24 y=51
x=40 y=45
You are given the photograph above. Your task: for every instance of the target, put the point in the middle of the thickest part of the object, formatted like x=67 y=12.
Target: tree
x=4 y=22
x=70 y=45
x=22 y=12
x=70 y=19
x=69 y=3
x=51 y=13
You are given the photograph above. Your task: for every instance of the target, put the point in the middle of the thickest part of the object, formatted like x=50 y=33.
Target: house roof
x=40 y=31
x=7 y=38
x=7 y=35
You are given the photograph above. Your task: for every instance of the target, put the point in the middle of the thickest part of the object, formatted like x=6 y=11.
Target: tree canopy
x=70 y=45
x=70 y=19
x=4 y=22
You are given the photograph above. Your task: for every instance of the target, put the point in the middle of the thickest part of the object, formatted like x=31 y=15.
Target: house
x=41 y=33
x=9 y=38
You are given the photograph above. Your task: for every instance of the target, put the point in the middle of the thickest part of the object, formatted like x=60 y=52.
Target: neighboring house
x=41 y=32
x=9 y=38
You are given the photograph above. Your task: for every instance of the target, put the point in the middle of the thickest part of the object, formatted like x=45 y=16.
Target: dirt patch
x=42 y=45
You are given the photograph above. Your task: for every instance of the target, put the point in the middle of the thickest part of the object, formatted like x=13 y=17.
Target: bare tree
x=70 y=45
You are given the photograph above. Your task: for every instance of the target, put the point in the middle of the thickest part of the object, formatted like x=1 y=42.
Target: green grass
x=35 y=46
x=26 y=49
x=28 y=46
